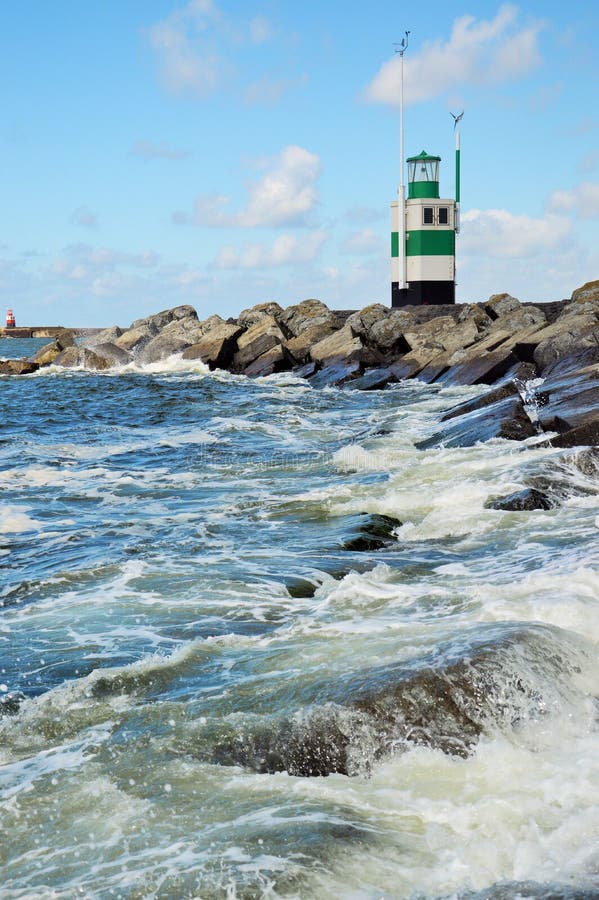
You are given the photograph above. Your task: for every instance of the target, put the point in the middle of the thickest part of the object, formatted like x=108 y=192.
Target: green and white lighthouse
x=423 y=269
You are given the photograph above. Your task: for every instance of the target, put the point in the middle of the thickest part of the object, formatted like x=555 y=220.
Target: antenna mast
x=401 y=49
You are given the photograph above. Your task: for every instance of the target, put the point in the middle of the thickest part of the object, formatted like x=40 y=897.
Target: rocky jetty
x=502 y=343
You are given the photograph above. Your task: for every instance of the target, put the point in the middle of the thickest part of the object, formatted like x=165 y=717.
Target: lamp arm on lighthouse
x=456 y=120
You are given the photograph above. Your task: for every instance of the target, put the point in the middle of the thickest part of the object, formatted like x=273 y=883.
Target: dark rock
x=526 y=499
x=274 y=360
x=10 y=703
x=587 y=461
x=374 y=379
x=336 y=373
x=586 y=435
x=506 y=418
x=18 y=367
x=483 y=369
x=371 y=532
x=571 y=400
x=412 y=363
x=510 y=389
x=388 y=333
x=306 y=371
x=46 y=355
x=572 y=362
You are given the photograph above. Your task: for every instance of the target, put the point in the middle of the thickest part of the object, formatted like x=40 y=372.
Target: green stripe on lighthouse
x=394 y=244
x=430 y=243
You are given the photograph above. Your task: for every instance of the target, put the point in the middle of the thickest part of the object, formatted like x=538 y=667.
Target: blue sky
x=222 y=154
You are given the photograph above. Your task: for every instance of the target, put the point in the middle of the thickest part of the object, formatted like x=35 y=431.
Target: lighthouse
x=423 y=269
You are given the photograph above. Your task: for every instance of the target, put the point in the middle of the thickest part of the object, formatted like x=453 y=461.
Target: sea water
x=179 y=592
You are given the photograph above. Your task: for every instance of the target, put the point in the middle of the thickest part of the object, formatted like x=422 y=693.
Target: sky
x=224 y=153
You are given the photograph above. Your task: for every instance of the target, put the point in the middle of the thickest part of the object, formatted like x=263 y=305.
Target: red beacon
x=10 y=319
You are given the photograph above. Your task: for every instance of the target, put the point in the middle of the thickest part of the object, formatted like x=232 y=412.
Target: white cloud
x=188 y=62
x=284 y=196
x=149 y=150
x=260 y=30
x=362 y=243
x=286 y=250
x=582 y=200
x=84 y=217
x=498 y=233
x=477 y=52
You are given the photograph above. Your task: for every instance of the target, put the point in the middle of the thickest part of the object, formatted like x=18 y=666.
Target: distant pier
x=42 y=331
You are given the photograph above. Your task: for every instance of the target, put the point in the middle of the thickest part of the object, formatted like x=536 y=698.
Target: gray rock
x=161 y=347
x=309 y=314
x=46 y=355
x=588 y=291
x=506 y=418
x=116 y=356
x=388 y=333
x=299 y=347
x=570 y=401
x=106 y=336
x=341 y=345
x=157 y=322
x=81 y=357
x=216 y=347
x=250 y=317
x=361 y=322
x=261 y=337
x=483 y=369
x=500 y=304
x=135 y=338
x=525 y=500
x=274 y=360
x=574 y=339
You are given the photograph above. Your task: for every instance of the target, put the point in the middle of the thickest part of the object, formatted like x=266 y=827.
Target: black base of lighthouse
x=423 y=293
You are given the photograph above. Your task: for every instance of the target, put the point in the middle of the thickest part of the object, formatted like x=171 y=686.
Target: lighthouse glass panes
x=428 y=215
x=420 y=169
x=443 y=215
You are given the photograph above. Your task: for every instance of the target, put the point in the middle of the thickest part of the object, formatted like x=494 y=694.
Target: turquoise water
x=183 y=623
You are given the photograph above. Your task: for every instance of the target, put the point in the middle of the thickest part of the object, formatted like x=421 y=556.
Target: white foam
x=15 y=520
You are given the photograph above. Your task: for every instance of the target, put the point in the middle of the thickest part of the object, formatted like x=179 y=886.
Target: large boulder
x=570 y=400
x=250 y=317
x=18 y=367
x=116 y=356
x=273 y=360
x=387 y=333
x=428 y=334
x=81 y=357
x=158 y=321
x=589 y=292
x=135 y=338
x=216 y=347
x=342 y=345
x=499 y=304
x=361 y=322
x=505 y=418
x=46 y=355
x=261 y=337
x=106 y=336
x=308 y=315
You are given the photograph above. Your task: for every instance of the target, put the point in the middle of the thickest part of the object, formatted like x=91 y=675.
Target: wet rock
x=46 y=355
x=526 y=499
x=81 y=357
x=586 y=435
x=509 y=389
x=135 y=338
x=587 y=462
x=577 y=338
x=262 y=336
x=255 y=314
x=411 y=364
x=571 y=400
x=309 y=314
x=580 y=359
x=116 y=356
x=18 y=367
x=374 y=379
x=371 y=532
x=505 y=418
x=336 y=373
x=216 y=347
x=274 y=360
x=10 y=703
x=307 y=370
x=483 y=369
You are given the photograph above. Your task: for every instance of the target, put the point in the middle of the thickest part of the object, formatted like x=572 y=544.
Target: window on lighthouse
x=428 y=215
x=443 y=215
